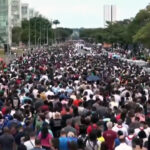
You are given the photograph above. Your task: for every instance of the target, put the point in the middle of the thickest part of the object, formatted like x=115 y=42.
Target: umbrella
x=116 y=56
x=92 y=78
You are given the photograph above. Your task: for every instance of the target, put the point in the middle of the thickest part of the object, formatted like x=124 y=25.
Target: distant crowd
x=61 y=99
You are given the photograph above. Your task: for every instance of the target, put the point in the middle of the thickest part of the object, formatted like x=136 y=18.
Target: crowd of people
x=61 y=99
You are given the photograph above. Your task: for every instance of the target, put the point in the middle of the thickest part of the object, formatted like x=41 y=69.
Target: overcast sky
x=85 y=13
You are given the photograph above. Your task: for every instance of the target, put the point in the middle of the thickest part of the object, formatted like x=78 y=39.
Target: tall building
x=25 y=11
x=36 y=14
x=5 y=22
x=16 y=13
x=31 y=13
x=109 y=14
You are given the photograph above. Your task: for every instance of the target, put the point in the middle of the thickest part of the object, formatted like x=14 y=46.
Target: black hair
x=37 y=141
x=93 y=136
x=44 y=131
x=82 y=129
x=104 y=146
x=137 y=141
x=99 y=133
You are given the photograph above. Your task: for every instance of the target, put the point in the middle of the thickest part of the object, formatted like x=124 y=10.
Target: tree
x=39 y=29
x=16 y=35
x=56 y=22
x=64 y=33
x=143 y=36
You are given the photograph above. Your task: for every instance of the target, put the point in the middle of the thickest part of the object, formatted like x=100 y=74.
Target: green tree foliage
x=16 y=32
x=114 y=33
x=38 y=27
x=143 y=35
x=133 y=31
x=63 y=33
x=56 y=22
x=40 y=31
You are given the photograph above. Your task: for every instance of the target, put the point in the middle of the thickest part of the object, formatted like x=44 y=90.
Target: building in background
x=36 y=14
x=16 y=13
x=31 y=13
x=25 y=11
x=5 y=22
x=110 y=13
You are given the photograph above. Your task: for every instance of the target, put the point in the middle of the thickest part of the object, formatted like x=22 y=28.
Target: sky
x=85 y=13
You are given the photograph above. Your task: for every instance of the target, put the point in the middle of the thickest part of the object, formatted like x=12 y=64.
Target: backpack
x=142 y=134
x=82 y=139
x=93 y=146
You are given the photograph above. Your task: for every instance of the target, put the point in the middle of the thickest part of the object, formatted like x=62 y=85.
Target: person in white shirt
x=130 y=137
x=30 y=144
x=119 y=127
x=123 y=145
x=117 y=98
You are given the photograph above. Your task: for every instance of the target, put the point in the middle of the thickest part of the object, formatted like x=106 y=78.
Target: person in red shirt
x=110 y=136
x=93 y=125
x=77 y=102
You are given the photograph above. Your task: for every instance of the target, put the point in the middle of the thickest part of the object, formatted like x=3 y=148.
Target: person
x=123 y=145
x=69 y=127
x=100 y=138
x=55 y=144
x=38 y=145
x=82 y=138
x=92 y=143
x=7 y=141
x=63 y=141
x=117 y=140
x=73 y=145
x=21 y=147
x=137 y=144
x=20 y=134
x=110 y=136
x=119 y=127
x=104 y=146
x=56 y=124
x=30 y=143
x=93 y=125
x=45 y=137
x=130 y=137
x=66 y=117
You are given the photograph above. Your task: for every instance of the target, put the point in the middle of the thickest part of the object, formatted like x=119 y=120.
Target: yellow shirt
x=101 y=139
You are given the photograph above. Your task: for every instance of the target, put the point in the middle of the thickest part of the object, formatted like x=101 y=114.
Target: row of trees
x=38 y=31
x=34 y=30
x=133 y=31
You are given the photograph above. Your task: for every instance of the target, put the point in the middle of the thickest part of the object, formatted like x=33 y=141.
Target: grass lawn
x=2 y=55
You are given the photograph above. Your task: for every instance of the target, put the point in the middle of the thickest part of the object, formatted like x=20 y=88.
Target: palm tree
x=56 y=22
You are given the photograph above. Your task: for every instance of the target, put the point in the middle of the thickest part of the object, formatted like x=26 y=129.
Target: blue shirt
x=63 y=143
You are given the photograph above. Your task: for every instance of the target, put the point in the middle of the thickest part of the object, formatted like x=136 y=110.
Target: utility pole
x=40 y=33
x=29 y=35
x=35 y=32
x=47 y=35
